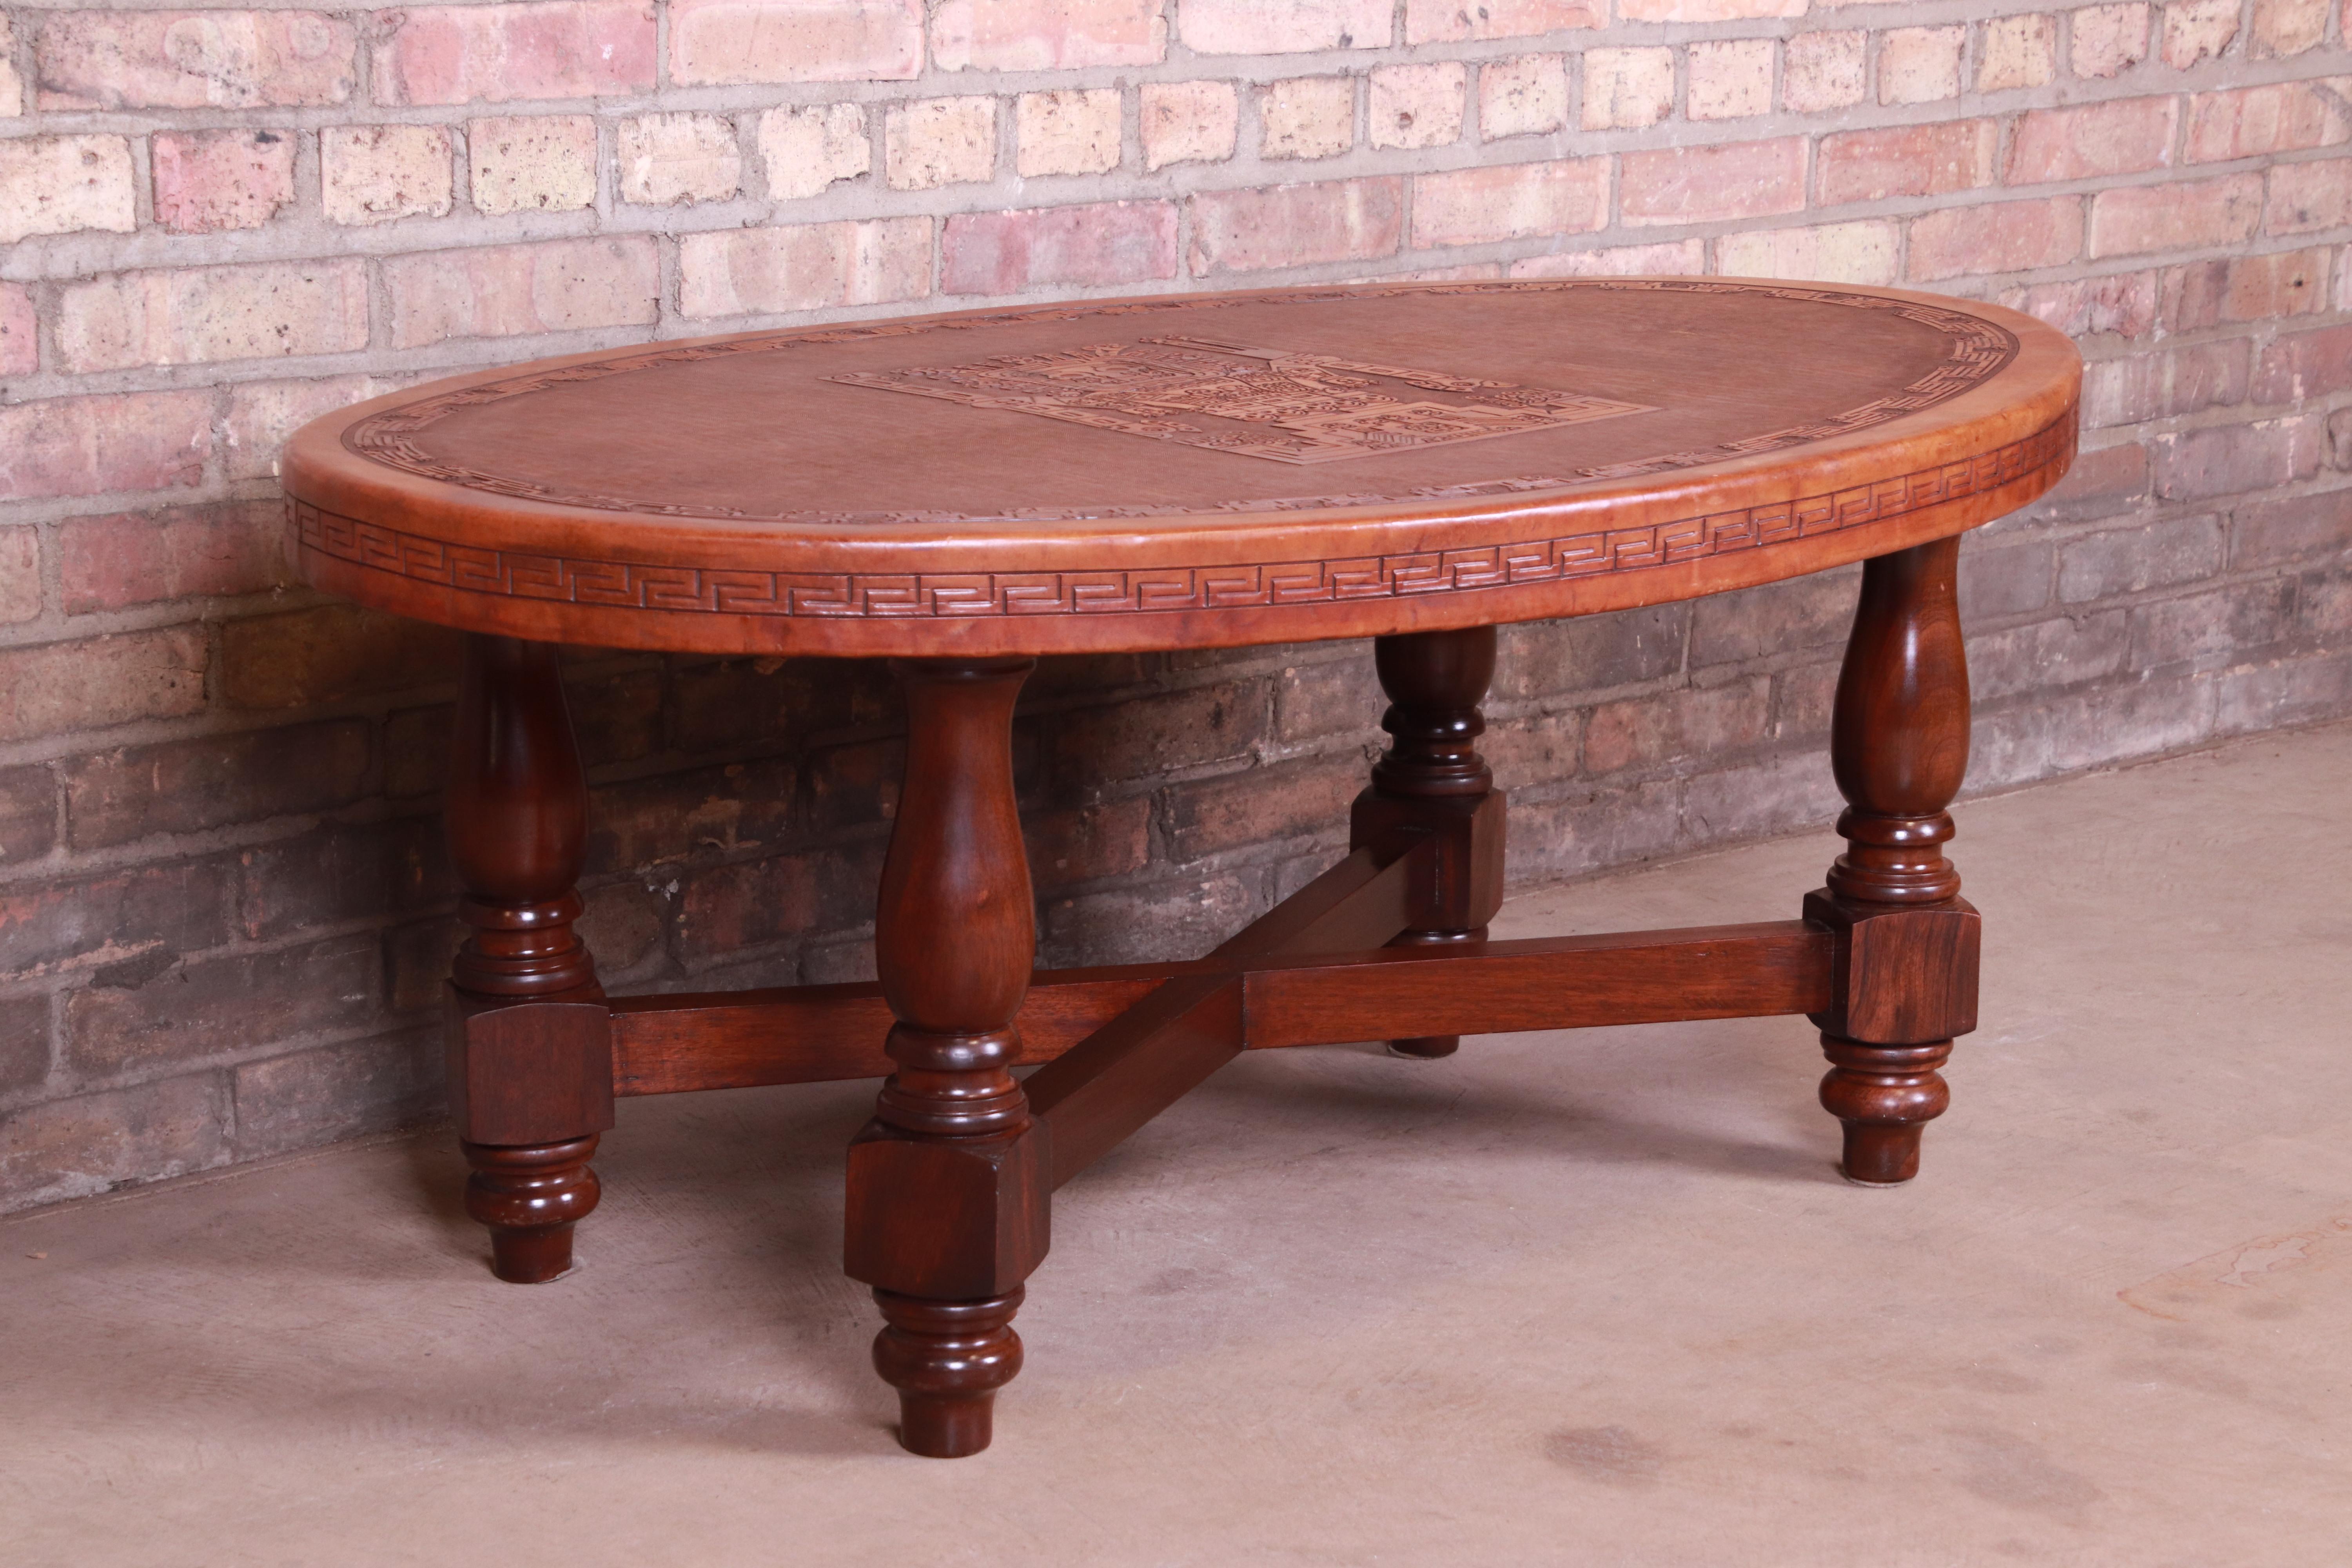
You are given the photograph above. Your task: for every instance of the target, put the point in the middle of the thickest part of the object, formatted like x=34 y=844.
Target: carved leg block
x=1432 y=780
x=530 y=1065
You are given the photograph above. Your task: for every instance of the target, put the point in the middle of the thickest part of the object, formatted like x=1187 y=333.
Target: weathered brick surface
x=48 y=687
x=224 y=905
x=504 y=53
x=1291 y=226
x=1104 y=243
x=58 y=185
x=122 y=559
x=103 y=58
x=211 y=780
x=207 y=181
x=508 y=289
x=197 y=314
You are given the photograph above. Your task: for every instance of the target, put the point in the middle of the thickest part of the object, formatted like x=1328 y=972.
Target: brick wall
x=222 y=901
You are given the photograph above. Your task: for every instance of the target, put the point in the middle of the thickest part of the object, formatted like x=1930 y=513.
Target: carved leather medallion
x=1251 y=401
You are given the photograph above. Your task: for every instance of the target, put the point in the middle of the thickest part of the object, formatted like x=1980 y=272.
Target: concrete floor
x=1595 y=1298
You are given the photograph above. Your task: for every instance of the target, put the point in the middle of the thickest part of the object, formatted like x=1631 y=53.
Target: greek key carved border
x=631 y=585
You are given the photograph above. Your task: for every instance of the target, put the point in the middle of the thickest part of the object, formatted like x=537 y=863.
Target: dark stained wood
x=948 y=1184
x=1546 y=983
x=531 y=1075
x=1432 y=780
x=1413 y=463
x=1906 y=969
x=1460 y=454
x=1158 y=1050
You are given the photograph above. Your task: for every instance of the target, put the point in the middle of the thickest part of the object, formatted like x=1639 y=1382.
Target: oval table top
x=1187 y=470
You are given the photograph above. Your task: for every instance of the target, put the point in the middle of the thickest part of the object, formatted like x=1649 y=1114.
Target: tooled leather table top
x=1187 y=470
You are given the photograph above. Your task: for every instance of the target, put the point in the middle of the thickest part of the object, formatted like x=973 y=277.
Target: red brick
x=19 y=337
x=1590 y=653
x=645 y=822
x=2123 y=303
x=502 y=53
x=181 y=1016
x=503 y=291
x=53 y=687
x=1707 y=10
x=2004 y=236
x=1256 y=27
x=2234 y=459
x=20 y=574
x=2255 y=122
x=24 y=1042
x=207 y=181
x=344 y=872
x=1294 y=225
x=87 y=446
x=2244 y=288
x=738 y=703
x=2104 y=481
x=330 y=652
x=1145 y=736
x=116 y=915
x=28 y=812
x=1776 y=619
x=1046 y=35
x=2305 y=197
x=2128 y=136
x=1098 y=244
x=1286 y=800
x=1709 y=185
x=2152 y=555
x=96 y=1142
x=1085 y=843
x=1695 y=722
x=750 y=904
x=2284 y=27
x=195 y=59
x=2106 y=40
x=794 y=40
x=2183 y=216
x=1906 y=160
x=209 y=781
x=1510 y=200
x=1143 y=925
x=2301 y=366
x=303 y=1098
x=2159 y=385
x=2290 y=530
x=136 y=558
x=803 y=267
x=199 y=315
x=64 y=184
x=263 y=413
x=1461 y=21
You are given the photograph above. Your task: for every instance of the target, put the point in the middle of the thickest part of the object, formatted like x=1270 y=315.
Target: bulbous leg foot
x=947 y=1359
x=531 y=1196
x=1884 y=1096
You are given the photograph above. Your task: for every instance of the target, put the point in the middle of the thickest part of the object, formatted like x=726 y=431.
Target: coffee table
x=1412 y=463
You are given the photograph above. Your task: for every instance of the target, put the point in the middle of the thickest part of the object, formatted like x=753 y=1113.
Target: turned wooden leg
x=530 y=1069
x=1905 y=978
x=950 y=1182
x=1432 y=779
